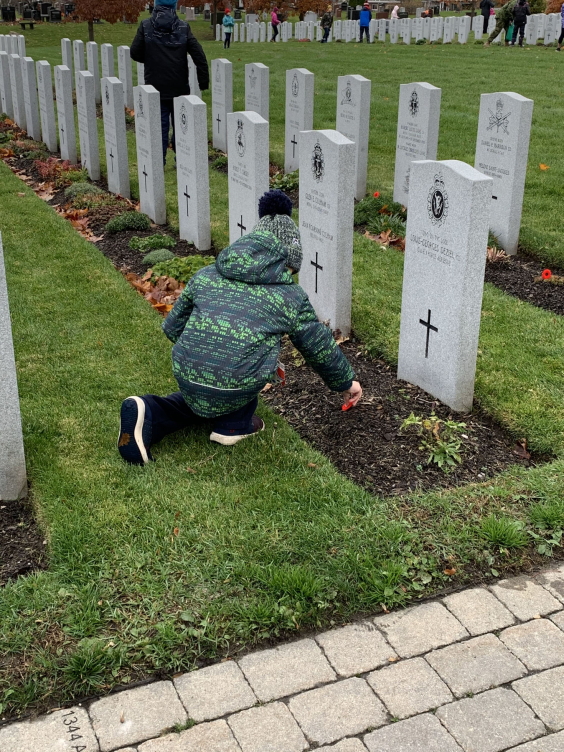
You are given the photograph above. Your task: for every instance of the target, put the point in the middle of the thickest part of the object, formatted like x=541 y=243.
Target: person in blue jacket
x=228 y=24
x=561 y=37
x=365 y=17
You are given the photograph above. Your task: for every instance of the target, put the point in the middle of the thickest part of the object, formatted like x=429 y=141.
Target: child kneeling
x=227 y=328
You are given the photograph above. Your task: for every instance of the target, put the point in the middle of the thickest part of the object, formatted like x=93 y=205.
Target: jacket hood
x=164 y=19
x=258 y=258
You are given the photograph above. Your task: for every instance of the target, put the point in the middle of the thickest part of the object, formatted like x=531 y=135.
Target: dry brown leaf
x=520 y=449
x=311 y=464
x=544 y=167
x=189 y=470
x=267 y=387
x=176 y=531
x=21 y=194
x=449 y=571
x=122 y=717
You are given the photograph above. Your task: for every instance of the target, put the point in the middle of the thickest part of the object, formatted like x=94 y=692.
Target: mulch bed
x=22 y=544
x=365 y=442
x=516 y=277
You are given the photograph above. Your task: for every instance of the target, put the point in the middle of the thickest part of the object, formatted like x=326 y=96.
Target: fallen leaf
x=189 y=470
x=311 y=464
x=122 y=717
x=385 y=609
x=45 y=195
x=341 y=339
x=392 y=658
x=544 y=167
x=520 y=449
x=266 y=387
x=176 y=531
x=449 y=571
x=21 y=194
x=147 y=276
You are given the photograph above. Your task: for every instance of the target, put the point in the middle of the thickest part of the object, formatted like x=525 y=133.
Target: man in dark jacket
x=520 y=13
x=162 y=44
x=365 y=16
x=485 y=7
x=227 y=328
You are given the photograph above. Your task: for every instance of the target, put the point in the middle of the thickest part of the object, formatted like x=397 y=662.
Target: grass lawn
x=154 y=569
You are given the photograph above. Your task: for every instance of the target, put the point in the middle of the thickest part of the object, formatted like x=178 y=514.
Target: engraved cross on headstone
x=145 y=173
x=112 y=157
x=63 y=134
x=317 y=267
x=218 y=121
x=429 y=328
x=295 y=143
x=241 y=225
x=187 y=197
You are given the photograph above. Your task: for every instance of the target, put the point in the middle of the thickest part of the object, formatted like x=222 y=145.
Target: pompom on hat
x=275 y=212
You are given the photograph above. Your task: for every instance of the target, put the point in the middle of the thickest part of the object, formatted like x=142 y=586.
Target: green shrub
x=504 y=532
x=421 y=41
x=288 y=182
x=548 y=515
x=219 y=163
x=372 y=206
x=131 y=220
x=82 y=189
x=73 y=176
x=383 y=222
x=157 y=256
x=182 y=268
x=151 y=243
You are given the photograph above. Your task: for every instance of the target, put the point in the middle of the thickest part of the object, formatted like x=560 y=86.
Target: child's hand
x=351 y=396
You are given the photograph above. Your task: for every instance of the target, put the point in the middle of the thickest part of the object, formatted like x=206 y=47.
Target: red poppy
x=376 y=194
x=547 y=274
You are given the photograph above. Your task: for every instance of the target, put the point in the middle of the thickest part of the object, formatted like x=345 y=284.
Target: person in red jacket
x=275 y=23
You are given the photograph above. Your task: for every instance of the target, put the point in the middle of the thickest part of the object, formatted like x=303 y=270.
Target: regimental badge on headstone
x=253 y=78
x=318 y=163
x=499 y=119
x=413 y=104
x=240 y=139
x=437 y=201
x=347 y=95
x=183 y=118
x=140 y=110
x=295 y=86
x=107 y=94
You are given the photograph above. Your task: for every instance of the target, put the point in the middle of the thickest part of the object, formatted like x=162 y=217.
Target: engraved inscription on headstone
x=65 y=113
x=30 y=99
x=150 y=167
x=17 y=90
x=88 y=124
x=222 y=100
x=125 y=74
x=6 y=85
x=257 y=90
x=115 y=137
x=353 y=121
x=46 y=105
x=299 y=113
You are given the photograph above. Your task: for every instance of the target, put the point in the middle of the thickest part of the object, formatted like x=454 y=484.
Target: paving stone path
x=478 y=671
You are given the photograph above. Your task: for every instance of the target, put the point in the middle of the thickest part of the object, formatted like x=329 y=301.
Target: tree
x=317 y=6
x=107 y=10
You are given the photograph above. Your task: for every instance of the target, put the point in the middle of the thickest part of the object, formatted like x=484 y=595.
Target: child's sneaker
x=135 y=432
x=233 y=437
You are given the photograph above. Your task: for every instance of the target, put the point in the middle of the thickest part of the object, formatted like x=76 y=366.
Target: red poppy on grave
x=376 y=194
x=547 y=274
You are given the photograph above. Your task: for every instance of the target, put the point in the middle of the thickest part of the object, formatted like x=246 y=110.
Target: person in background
x=228 y=24
x=162 y=44
x=395 y=11
x=365 y=18
x=561 y=37
x=485 y=7
x=503 y=21
x=227 y=328
x=275 y=23
x=326 y=23
x=520 y=13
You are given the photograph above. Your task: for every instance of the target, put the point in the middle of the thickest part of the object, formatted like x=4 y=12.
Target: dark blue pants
x=365 y=29
x=170 y=414
x=227 y=43
x=167 y=114
x=274 y=32
x=326 y=31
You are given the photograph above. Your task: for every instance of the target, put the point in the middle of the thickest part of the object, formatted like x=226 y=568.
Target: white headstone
x=33 y=126
x=78 y=59
x=247 y=133
x=531 y=30
x=125 y=74
x=21 y=46
x=218 y=32
x=66 y=52
x=326 y=224
x=190 y=14
x=140 y=74
x=407 y=31
x=427 y=28
x=491 y=24
x=193 y=77
x=448 y=30
x=353 y=121
x=65 y=113
x=93 y=66
x=434 y=35
x=87 y=124
x=251 y=18
x=242 y=28
x=117 y=161
x=504 y=129
x=46 y=105
x=417 y=28
x=6 y=85
x=13 y=483
x=190 y=115
x=299 y=113
x=417 y=133
x=382 y=29
x=17 y=90
x=550 y=29
x=394 y=30
x=262 y=31
x=222 y=100
x=443 y=280
x=108 y=65
x=463 y=29
x=150 y=167
x=257 y=90
x=236 y=32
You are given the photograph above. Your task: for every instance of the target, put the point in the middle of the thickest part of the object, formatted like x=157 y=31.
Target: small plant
x=286 y=182
x=72 y=175
x=372 y=206
x=441 y=438
x=80 y=188
x=182 y=269
x=130 y=220
x=548 y=515
x=496 y=255
x=151 y=243
x=504 y=532
x=220 y=163
x=87 y=669
x=383 y=222
x=158 y=256
x=51 y=168
x=421 y=41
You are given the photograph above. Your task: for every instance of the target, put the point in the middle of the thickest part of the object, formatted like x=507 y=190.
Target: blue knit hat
x=275 y=212
x=166 y=3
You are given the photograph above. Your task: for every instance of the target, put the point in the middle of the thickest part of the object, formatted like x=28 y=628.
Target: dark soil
x=516 y=277
x=22 y=545
x=365 y=443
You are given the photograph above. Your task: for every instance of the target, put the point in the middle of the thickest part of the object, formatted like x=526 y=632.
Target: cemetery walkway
x=481 y=670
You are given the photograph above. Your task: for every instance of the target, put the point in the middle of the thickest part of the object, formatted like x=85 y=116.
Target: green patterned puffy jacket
x=228 y=323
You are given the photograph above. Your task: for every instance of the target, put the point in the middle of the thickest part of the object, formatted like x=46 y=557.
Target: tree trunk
x=90 y=31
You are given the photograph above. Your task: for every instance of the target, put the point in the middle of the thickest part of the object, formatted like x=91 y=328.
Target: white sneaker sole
x=231 y=440
x=138 y=431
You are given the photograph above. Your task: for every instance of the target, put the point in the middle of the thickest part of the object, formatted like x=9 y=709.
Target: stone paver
x=538 y=643
x=478 y=664
x=347 y=745
x=551 y=743
x=286 y=670
x=479 y=611
x=545 y=694
x=525 y=598
x=421 y=734
x=58 y=731
x=553 y=581
x=338 y=710
x=214 y=691
x=209 y=737
x=355 y=649
x=420 y=629
x=136 y=715
x=491 y=721
x=271 y=728
x=409 y=687
x=558 y=619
